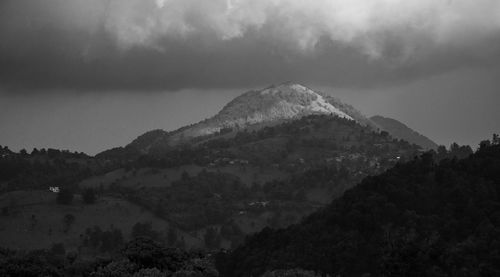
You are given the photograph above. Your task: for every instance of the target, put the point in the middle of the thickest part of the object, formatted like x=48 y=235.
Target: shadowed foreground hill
x=420 y=218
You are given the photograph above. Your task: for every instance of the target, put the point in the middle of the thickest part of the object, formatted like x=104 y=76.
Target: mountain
x=242 y=181
x=210 y=192
x=273 y=104
x=253 y=109
x=401 y=131
x=268 y=158
x=421 y=218
x=256 y=109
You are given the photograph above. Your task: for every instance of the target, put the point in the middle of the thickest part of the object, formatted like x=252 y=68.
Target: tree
x=68 y=220
x=495 y=140
x=290 y=273
x=33 y=263
x=116 y=268
x=89 y=196
x=65 y=196
x=35 y=152
x=484 y=144
x=150 y=272
x=33 y=222
x=441 y=152
x=147 y=253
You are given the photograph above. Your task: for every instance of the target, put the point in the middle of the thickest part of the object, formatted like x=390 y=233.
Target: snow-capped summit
x=274 y=103
x=254 y=109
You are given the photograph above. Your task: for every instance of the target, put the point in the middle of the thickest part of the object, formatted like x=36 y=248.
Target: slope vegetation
x=420 y=218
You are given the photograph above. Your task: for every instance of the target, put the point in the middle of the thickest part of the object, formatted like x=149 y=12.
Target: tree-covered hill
x=218 y=181
x=420 y=218
x=214 y=189
x=42 y=168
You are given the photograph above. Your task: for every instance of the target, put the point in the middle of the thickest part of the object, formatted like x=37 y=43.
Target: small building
x=54 y=189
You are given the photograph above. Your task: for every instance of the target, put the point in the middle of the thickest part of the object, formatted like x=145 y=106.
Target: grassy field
x=34 y=220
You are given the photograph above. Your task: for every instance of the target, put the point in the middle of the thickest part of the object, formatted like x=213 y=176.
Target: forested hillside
x=434 y=215
x=210 y=191
x=239 y=181
x=42 y=168
x=420 y=218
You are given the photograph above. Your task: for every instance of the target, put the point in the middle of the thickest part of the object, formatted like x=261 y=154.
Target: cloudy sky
x=91 y=74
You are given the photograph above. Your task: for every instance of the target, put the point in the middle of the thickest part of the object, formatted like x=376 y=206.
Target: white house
x=54 y=189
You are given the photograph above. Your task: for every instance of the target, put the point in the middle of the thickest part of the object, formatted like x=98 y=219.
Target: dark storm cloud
x=174 y=44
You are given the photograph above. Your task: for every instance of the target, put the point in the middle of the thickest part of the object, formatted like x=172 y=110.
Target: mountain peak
x=289 y=85
x=287 y=88
x=267 y=106
x=272 y=104
x=284 y=101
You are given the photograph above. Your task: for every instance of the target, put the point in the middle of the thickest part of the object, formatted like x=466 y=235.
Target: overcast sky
x=91 y=74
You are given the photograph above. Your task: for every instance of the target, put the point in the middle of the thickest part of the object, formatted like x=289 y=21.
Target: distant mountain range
x=401 y=131
x=266 y=107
